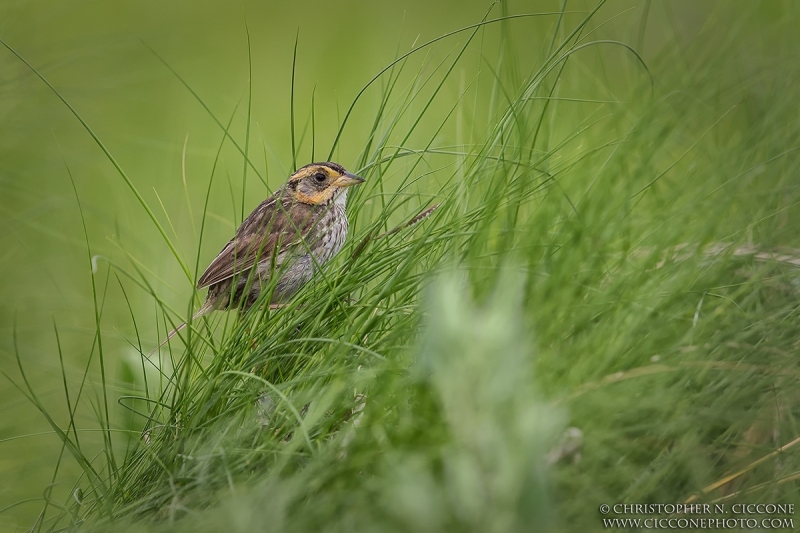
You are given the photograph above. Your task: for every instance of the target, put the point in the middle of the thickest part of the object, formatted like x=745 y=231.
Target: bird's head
x=320 y=183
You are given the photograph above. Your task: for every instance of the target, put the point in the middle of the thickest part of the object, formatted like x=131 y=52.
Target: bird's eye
x=320 y=177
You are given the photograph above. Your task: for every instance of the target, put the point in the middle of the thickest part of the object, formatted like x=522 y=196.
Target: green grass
x=615 y=250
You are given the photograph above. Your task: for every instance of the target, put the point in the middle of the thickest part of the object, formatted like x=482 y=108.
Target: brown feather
x=265 y=234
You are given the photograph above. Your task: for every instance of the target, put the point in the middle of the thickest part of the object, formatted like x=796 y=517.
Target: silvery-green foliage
x=478 y=359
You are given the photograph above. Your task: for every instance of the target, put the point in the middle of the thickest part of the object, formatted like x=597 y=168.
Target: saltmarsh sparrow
x=291 y=234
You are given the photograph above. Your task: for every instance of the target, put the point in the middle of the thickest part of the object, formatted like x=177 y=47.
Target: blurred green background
x=98 y=55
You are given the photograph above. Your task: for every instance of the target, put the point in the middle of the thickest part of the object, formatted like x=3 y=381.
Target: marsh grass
x=600 y=257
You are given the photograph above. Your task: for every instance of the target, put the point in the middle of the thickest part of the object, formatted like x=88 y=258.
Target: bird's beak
x=348 y=180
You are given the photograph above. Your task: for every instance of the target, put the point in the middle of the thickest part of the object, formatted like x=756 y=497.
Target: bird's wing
x=267 y=232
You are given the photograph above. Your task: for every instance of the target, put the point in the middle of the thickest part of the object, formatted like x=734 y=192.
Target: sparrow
x=291 y=235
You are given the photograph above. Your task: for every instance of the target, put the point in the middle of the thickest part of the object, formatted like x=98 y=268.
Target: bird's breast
x=332 y=232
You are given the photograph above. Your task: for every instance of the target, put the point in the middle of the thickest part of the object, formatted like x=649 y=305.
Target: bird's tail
x=206 y=307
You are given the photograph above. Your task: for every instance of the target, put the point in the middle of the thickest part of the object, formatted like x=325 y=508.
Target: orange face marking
x=311 y=194
x=310 y=171
x=318 y=198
